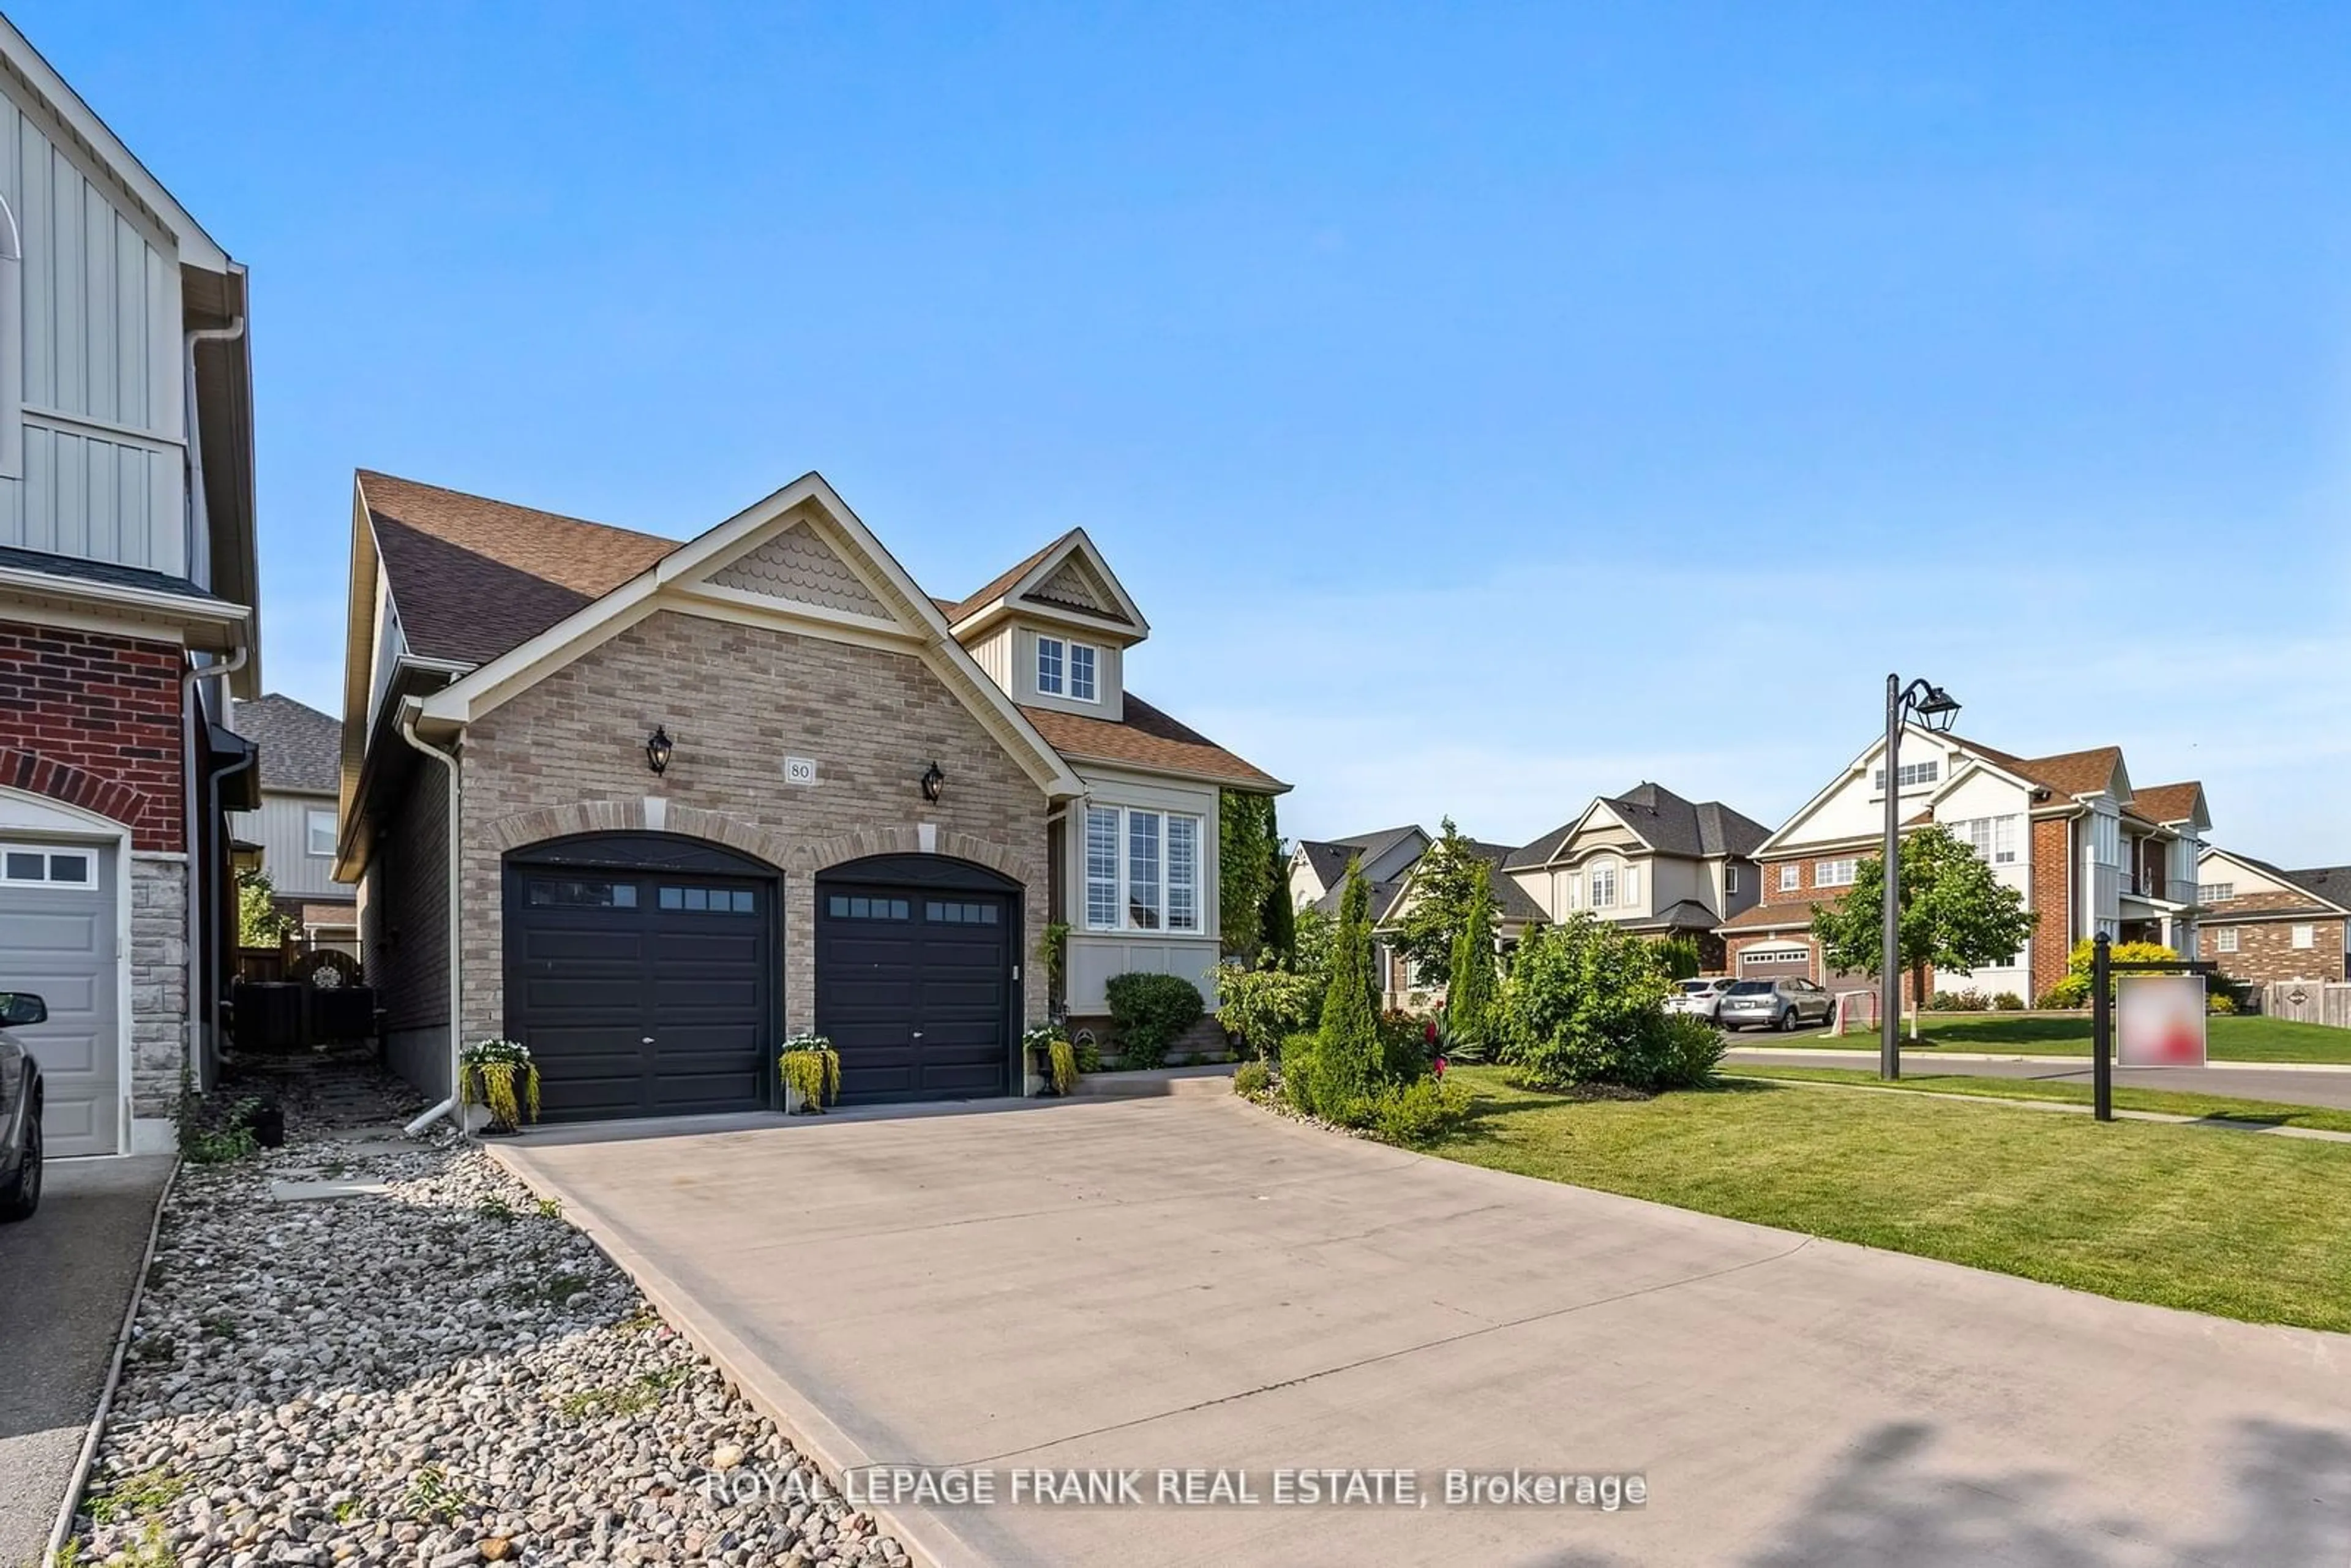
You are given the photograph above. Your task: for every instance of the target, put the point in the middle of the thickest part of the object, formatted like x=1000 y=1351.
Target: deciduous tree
x=1955 y=914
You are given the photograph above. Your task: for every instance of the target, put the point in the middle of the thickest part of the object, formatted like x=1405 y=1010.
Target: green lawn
x=2230 y=1040
x=2270 y=1112
x=2245 y=1227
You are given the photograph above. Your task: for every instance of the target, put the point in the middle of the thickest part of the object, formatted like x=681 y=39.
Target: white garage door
x=57 y=941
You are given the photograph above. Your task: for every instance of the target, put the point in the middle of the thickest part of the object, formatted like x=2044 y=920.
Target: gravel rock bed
x=445 y=1373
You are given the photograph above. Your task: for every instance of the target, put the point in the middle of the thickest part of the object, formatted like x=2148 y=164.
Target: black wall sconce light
x=657 y=750
x=935 y=779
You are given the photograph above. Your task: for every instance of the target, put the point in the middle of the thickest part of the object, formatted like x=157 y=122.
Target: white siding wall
x=102 y=457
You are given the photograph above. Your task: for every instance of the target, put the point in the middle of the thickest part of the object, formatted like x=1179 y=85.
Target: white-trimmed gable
x=1852 y=808
x=1070 y=584
x=800 y=560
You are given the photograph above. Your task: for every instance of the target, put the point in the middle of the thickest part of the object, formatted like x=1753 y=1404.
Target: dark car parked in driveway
x=20 y=1108
x=1774 y=1004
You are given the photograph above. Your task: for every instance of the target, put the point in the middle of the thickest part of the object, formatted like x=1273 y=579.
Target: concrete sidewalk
x=1192 y=1283
x=65 y=1277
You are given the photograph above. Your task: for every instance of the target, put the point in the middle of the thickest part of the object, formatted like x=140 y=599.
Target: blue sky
x=1490 y=406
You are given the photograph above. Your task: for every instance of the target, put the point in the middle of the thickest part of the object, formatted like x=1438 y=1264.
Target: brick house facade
x=2266 y=923
x=2085 y=848
x=857 y=772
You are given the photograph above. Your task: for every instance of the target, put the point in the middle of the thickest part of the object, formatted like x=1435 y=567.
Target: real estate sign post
x=2160 y=1020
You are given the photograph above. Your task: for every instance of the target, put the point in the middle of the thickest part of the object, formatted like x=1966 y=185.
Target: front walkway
x=1190 y=1282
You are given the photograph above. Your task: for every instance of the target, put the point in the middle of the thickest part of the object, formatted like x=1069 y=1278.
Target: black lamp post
x=657 y=750
x=1936 y=708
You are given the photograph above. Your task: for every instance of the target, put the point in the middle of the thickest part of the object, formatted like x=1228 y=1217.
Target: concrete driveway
x=65 y=1277
x=1192 y=1283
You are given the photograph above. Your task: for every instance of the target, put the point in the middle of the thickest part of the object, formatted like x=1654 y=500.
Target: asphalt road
x=2295 y=1088
x=68 y=1274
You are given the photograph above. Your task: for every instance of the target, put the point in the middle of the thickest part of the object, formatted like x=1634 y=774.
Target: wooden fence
x=2309 y=1001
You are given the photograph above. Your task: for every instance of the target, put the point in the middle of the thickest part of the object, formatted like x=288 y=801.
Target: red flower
x=1429 y=1033
x=1440 y=1067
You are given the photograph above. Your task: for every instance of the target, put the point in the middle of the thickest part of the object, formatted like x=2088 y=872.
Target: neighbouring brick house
x=2089 y=851
x=127 y=587
x=2263 y=923
x=678 y=800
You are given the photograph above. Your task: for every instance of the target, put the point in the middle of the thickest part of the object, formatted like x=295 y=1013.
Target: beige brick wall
x=2266 y=949
x=568 y=753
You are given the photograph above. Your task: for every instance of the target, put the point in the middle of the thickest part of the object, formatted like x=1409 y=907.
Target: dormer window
x=1067 y=669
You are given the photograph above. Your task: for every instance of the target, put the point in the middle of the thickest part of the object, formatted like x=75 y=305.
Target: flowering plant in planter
x=491 y=1071
x=811 y=1070
x=1057 y=1059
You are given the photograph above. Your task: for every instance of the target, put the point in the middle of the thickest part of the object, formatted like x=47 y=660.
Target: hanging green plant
x=811 y=1070
x=1065 y=1065
x=500 y=1075
x=1051 y=1056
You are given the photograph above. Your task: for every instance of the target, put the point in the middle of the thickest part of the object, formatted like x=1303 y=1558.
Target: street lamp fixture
x=1933 y=708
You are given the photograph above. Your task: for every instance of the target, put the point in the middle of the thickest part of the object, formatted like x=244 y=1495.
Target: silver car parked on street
x=1782 y=1004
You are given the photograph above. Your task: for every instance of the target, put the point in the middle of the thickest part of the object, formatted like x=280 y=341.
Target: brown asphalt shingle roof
x=2168 y=803
x=473 y=577
x=996 y=588
x=1146 y=738
x=1769 y=916
x=2075 y=772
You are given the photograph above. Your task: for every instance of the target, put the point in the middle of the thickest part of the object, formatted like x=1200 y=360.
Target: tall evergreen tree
x=1348 y=1054
x=1444 y=881
x=1470 y=999
x=1280 y=920
x=1245 y=871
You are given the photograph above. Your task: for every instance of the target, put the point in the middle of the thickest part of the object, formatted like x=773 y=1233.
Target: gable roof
x=1148 y=737
x=1663 y=820
x=1329 y=857
x=2072 y=772
x=2331 y=885
x=473 y=577
x=2169 y=802
x=300 y=746
x=1032 y=580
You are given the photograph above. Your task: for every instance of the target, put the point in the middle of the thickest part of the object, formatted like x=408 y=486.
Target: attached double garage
x=647 y=972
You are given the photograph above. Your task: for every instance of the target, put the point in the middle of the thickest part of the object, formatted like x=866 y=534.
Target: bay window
x=1142 y=870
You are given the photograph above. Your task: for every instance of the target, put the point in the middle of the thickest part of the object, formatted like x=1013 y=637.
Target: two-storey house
x=2264 y=922
x=1650 y=861
x=290 y=836
x=127 y=594
x=651 y=806
x=2089 y=851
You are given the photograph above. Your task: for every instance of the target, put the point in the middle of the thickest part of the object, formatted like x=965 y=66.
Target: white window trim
x=2224 y=939
x=1730 y=878
x=1060 y=671
x=1791 y=876
x=1822 y=877
x=1593 y=879
x=311 y=815
x=1200 y=841
x=1070 y=671
x=2304 y=936
x=12 y=347
x=87 y=854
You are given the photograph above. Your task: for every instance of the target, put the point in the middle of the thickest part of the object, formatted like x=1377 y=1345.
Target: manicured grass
x=2244 y=1227
x=2269 y=1112
x=2243 y=1038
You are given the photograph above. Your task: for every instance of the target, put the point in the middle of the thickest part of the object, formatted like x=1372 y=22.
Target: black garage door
x=644 y=990
x=914 y=980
